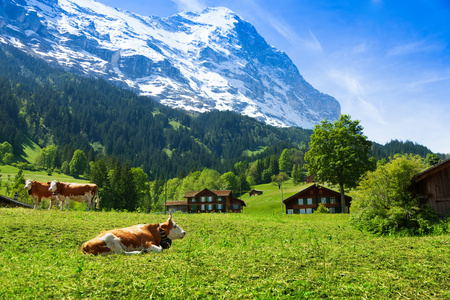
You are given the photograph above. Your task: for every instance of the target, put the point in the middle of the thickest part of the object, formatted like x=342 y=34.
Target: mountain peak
x=212 y=60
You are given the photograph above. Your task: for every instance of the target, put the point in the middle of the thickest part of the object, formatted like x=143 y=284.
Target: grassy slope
x=270 y=201
x=31 y=150
x=224 y=256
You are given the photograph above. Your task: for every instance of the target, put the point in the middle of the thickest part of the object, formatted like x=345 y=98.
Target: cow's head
x=53 y=186
x=173 y=230
x=28 y=184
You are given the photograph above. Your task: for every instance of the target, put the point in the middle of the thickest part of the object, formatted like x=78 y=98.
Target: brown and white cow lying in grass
x=38 y=190
x=76 y=191
x=135 y=239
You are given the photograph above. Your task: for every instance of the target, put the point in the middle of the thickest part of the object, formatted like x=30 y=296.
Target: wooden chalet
x=307 y=200
x=212 y=201
x=8 y=202
x=255 y=193
x=433 y=187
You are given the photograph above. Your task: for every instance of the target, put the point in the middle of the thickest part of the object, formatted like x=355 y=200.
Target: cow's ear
x=170 y=217
x=48 y=182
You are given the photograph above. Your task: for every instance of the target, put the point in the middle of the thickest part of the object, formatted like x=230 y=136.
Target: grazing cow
x=38 y=190
x=76 y=191
x=135 y=239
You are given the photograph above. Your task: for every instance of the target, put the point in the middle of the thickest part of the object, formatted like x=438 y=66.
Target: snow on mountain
x=193 y=61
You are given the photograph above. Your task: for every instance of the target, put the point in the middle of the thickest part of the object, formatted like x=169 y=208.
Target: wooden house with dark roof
x=433 y=187
x=254 y=192
x=207 y=201
x=307 y=200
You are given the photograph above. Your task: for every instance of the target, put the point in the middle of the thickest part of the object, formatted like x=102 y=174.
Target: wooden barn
x=174 y=206
x=307 y=200
x=255 y=193
x=433 y=187
x=207 y=201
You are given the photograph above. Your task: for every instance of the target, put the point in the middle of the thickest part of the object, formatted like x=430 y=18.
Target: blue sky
x=386 y=62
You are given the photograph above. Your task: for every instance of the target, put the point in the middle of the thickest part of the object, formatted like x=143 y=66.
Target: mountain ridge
x=198 y=62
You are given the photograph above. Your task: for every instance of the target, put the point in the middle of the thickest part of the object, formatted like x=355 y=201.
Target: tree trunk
x=341 y=186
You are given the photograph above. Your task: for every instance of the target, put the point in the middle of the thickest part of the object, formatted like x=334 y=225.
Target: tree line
x=82 y=122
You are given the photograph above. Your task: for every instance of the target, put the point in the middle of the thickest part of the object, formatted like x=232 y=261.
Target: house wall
x=436 y=189
x=175 y=208
x=299 y=204
x=208 y=203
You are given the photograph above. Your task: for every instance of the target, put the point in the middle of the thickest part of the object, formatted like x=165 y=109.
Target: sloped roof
x=173 y=203
x=431 y=170
x=217 y=193
x=222 y=193
x=309 y=186
x=234 y=200
x=15 y=202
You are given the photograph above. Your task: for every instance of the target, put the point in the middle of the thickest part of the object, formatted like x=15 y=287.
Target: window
x=219 y=199
x=333 y=200
x=193 y=199
x=310 y=201
x=219 y=206
x=302 y=211
x=309 y=210
x=300 y=201
x=203 y=206
x=323 y=200
x=290 y=211
x=332 y=210
x=203 y=199
x=210 y=199
x=236 y=206
x=210 y=207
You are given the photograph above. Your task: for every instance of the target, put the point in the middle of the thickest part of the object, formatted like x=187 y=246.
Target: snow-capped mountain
x=194 y=61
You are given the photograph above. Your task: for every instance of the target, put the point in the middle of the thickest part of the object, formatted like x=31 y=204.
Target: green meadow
x=252 y=255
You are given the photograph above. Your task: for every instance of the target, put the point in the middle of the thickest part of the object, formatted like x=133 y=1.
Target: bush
x=383 y=203
x=322 y=209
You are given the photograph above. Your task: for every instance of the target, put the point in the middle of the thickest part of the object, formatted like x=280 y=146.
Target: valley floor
x=223 y=256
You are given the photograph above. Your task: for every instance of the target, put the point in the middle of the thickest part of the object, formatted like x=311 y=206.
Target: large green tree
x=79 y=163
x=285 y=162
x=339 y=154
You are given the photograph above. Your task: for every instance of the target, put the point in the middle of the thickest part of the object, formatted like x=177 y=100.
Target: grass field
x=10 y=172
x=223 y=256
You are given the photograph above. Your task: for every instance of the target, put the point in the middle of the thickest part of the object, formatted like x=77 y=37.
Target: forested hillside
x=53 y=107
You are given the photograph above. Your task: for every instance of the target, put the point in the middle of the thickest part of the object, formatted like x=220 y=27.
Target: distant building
x=255 y=193
x=174 y=206
x=310 y=178
x=307 y=200
x=433 y=187
x=207 y=201
x=8 y=202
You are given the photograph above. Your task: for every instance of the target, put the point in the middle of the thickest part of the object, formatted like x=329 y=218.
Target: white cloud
x=360 y=49
x=190 y=5
x=414 y=47
x=354 y=99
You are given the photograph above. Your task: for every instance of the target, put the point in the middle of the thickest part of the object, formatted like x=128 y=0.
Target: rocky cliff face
x=213 y=60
